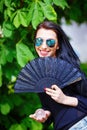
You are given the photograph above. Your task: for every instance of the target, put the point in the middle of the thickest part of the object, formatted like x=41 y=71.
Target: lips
x=44 y=53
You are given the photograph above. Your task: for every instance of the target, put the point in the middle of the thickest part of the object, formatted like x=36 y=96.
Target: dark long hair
x=65 y=51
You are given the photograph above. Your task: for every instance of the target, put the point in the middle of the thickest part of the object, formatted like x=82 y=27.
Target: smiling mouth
x=44 y=53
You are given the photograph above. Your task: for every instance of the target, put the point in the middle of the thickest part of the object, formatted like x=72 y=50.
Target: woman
x=62 y=107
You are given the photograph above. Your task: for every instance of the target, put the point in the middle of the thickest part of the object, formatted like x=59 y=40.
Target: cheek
x=37 y=50
x=53 y=50
x=56 y=47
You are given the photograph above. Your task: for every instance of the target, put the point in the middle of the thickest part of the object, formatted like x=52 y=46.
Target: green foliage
x=84 y=68
x=22 y=55
x=18 y=21
x=5 y=108
x=61 y=3
x=0 y=76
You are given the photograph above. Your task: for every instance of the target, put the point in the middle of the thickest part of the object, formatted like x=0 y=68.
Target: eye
x=38 y=41
x=51 y=42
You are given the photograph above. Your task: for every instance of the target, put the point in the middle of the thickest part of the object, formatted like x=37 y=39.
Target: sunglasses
x=49 y=42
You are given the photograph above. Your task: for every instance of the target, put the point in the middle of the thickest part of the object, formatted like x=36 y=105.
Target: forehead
x=46 y=33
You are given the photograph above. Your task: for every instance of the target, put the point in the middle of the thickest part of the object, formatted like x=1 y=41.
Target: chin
x=43 y=56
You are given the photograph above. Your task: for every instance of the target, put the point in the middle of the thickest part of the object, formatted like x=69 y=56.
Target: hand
x=40 y=115
x=56 y=94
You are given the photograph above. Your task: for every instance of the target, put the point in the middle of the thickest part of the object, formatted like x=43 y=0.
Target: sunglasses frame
x=49 y=42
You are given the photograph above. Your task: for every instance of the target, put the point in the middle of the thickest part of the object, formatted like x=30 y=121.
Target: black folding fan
x=44 y=72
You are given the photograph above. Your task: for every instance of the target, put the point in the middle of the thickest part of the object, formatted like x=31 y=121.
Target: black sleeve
x=81 y=87
x=82 y=103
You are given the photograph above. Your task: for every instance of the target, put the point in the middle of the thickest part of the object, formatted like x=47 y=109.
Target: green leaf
x=37 y=15
x=0 y=76
x=7 y=2
x=11 y=54
x=3 y=54
x=61 y=3
x=23 y=18
x=20 y=19
x=23 y=54
x=48 y=1
x=9 y=12
x=32 y=124
x=26 y=121
x=17 y=127
x=16 y=20
x=49 y=11
x=36 y=126
x=17 y=100
x=5 y=108
x=8 y=29
x=1 y=5
x=30 y=13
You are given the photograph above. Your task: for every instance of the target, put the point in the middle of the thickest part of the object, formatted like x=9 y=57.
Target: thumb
x=48 y=113
x=32 y=115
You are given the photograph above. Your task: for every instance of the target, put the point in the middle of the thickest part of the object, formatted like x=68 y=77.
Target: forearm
x=71 y=101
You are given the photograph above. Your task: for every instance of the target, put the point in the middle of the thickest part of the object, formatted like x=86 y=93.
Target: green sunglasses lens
x=50 y=42
x=38 y=41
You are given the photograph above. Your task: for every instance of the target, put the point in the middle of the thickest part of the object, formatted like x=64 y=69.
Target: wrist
x=71 y=101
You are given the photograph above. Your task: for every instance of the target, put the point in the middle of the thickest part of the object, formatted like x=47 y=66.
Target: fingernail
x=45 y=89
x=30 y=116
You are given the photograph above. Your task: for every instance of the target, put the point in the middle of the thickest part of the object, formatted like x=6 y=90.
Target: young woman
x=62 y=107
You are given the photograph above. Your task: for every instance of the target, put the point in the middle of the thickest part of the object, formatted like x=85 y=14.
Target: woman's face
x=43 y=50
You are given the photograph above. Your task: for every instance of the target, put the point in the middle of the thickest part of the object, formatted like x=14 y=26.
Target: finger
x=55 y=87
x=48 y=113
x=41 y=120
x=32 y=116
x=50 y=90
x=49 y=93
x=52 y=95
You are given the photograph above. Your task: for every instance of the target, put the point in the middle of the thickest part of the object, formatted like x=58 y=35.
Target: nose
x=44 y=45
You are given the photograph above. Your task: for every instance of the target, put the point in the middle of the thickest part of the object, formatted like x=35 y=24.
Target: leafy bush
x=18 y=21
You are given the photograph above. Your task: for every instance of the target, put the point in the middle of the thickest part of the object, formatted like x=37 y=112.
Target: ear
x=57 y=47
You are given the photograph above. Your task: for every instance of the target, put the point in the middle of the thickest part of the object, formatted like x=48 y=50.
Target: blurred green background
x=18 y=21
